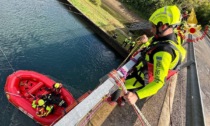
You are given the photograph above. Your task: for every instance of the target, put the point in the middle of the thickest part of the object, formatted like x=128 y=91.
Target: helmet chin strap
x=158 y=33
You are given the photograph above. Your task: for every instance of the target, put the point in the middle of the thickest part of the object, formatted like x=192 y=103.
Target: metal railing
x=194 y=114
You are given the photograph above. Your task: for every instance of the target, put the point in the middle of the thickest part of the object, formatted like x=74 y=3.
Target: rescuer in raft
x=56 y=89
x=42 y=109
x=54 y=95
x=160 y=58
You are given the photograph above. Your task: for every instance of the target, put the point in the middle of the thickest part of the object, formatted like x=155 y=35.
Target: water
x=43 y=36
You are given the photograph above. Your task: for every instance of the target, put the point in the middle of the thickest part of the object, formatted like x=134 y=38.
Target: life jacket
x=56 y=91
x=34 y=104
x=176 y=50
x=49 y=109
x=44 y=111
x=40 y=111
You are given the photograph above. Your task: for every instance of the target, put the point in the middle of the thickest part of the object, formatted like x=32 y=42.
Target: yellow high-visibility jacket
x=161 y=56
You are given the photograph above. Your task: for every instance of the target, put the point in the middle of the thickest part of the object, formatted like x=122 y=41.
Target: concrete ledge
x=101 y=114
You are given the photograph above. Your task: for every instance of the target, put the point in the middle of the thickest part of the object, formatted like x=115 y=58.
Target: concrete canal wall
x=108 y=39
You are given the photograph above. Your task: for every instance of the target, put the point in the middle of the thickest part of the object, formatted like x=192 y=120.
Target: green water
x=43 y=36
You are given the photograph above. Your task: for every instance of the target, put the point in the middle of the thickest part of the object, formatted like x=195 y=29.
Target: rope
x=120 y=82
x=88 y=117
x=7 y=60
x=9 y=63
x=131 y=53
x=139 y=117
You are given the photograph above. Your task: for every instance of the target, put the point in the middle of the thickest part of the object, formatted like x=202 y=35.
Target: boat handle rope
x=14 y=94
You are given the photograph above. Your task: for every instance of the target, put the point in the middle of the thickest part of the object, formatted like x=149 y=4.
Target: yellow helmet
x=57 y=85
x=41 y=102
x=166 y=15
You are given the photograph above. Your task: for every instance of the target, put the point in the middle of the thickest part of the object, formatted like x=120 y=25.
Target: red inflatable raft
x=23 y=86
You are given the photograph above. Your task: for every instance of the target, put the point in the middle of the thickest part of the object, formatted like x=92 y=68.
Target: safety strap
x=152 y=49
x=137 y=76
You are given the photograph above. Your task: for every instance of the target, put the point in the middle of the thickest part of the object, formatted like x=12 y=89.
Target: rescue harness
x=147 y=69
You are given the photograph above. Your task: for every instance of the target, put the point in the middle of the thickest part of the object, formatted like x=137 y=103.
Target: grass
x=113 y=13
x=141 y=14
x=105 y=18
x=97 y=14
x=102 y=18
